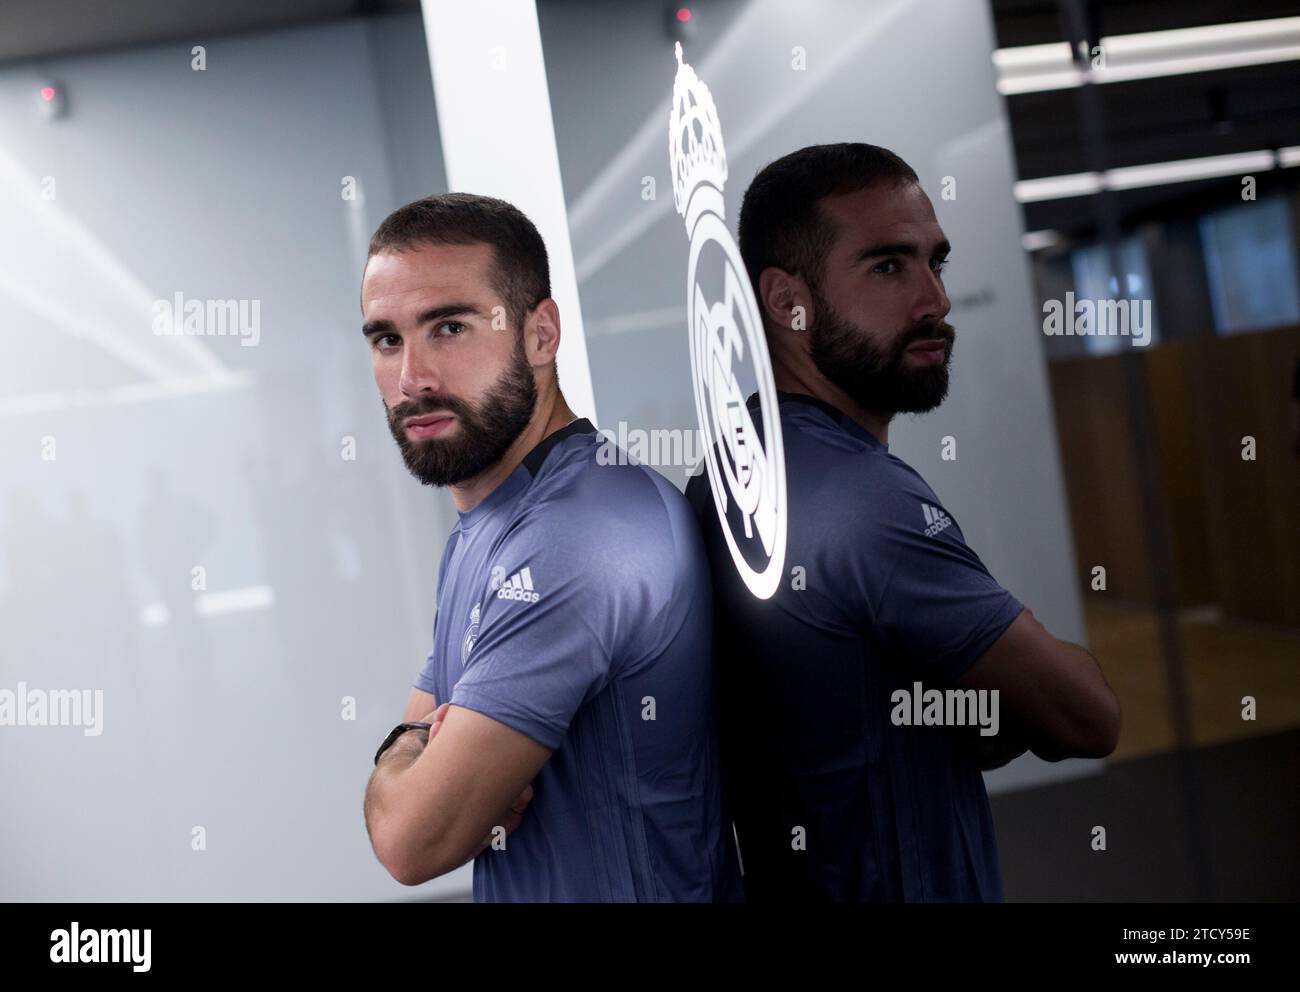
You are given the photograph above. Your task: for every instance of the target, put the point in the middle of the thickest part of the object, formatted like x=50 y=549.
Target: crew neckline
x=838 y=416
x=524 y=472
x=534 y=459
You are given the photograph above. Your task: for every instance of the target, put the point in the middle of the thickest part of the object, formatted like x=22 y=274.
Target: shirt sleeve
x=561 y=605
x=426 y=680
x=933 y=604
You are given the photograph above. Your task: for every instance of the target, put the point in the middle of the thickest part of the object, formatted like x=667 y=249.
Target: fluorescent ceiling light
x=641 y=320
x=155 y=615
x=211 y=604
x=1135 y=176
x=1159 y=173
x=92 y=295
x=1035 y=68
x=1037 y=240
x=1057 y=187
x=163 y=389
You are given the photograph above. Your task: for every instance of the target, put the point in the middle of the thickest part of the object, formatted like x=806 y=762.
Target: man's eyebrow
x=904 y=248
x=433 y=313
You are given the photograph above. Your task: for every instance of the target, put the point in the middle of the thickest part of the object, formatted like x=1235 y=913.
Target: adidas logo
x=519 y=586
x=935 y=520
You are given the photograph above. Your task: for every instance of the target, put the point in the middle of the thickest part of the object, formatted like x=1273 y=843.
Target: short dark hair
x=520 y=270
x=780 y=222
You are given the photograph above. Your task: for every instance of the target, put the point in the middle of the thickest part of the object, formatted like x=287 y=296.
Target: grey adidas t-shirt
x=832 y=801
x=574 y=606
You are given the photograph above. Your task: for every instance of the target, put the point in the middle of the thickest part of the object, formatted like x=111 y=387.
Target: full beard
x=485 y=433
x=879 y=379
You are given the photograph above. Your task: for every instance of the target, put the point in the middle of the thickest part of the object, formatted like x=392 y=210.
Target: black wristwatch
x=397 y=732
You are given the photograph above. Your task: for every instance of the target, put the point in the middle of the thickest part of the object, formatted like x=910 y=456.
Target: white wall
x=224 y=184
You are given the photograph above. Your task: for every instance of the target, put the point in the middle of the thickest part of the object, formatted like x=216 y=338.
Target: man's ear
x=542 y=333
x=784 y=299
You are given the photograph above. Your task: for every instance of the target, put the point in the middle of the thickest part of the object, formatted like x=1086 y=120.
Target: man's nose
x=420 y=372
x=933 y=302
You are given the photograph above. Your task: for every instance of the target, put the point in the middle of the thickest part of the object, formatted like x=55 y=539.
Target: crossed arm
x=431 y=802
x=1056 y=701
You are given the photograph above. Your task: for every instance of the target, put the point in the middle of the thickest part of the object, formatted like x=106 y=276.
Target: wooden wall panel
x=1235 y=523
x=1240 y=386
x=1095 y=433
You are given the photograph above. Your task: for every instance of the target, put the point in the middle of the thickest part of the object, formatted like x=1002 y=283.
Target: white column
x=498 y=139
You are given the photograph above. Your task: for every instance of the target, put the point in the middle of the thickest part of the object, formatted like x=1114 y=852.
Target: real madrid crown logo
x=695 y=149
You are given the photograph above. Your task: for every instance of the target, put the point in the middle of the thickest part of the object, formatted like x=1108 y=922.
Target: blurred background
x=218 y=532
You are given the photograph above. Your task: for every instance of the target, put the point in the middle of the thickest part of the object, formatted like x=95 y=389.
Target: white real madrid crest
x=726 y=331
x=470 y=635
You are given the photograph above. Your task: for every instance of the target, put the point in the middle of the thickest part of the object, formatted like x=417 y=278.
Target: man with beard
x=570 y=747
x=834 y=798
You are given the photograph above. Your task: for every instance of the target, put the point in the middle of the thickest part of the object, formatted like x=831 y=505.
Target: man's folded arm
x=1054 y=690
x=418 y=703
x=429 y=815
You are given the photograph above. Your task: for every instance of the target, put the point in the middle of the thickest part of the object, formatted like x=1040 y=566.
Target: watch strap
x=397 y=732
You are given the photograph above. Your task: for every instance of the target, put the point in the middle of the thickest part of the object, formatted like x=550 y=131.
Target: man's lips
x=429 y=425
x=929 y=350
x=929 y=344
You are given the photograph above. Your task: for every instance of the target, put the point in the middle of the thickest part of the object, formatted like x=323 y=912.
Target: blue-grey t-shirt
x=831 y=800
x=574 y=606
